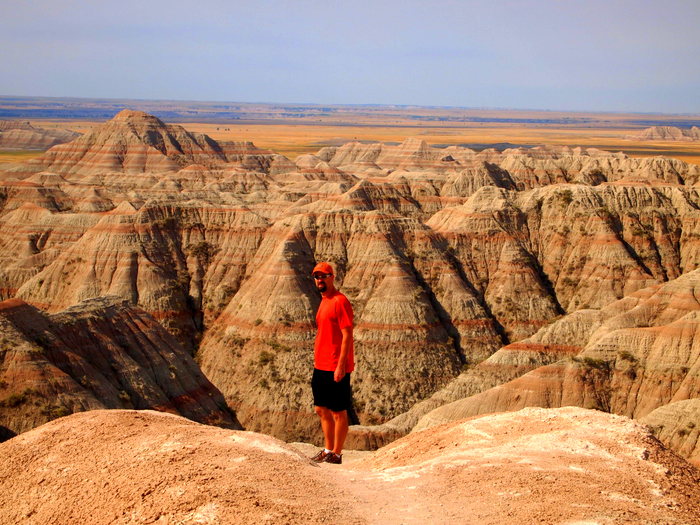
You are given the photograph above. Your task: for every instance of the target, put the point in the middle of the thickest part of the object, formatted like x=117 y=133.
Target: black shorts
x=329 y=394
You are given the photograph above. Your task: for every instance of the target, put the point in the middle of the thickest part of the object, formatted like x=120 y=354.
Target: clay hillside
x=17 y=135
x=528 y=277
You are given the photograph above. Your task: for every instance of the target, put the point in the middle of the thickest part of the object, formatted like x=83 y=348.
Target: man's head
x=323 y=277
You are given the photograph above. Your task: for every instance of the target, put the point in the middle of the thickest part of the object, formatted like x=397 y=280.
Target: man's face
x=322 y=281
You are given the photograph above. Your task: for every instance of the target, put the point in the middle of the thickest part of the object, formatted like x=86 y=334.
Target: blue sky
x=588 y=55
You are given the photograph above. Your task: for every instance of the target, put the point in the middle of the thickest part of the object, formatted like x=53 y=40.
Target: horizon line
x=344 y=104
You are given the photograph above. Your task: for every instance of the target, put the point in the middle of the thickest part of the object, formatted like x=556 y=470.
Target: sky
x=587 y=55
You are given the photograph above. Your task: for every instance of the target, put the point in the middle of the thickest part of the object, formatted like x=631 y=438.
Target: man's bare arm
x=344 y=349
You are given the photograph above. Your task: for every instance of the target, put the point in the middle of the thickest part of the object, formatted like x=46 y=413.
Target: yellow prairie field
x=294 y=140
x=18 y=155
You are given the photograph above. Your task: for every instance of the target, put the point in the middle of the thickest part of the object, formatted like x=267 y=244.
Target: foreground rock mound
x=146 y=467
x=567 y=465
x=103 y=353
x=547 y=466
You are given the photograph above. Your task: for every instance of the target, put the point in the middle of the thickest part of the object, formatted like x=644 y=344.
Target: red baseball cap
x=323 y=267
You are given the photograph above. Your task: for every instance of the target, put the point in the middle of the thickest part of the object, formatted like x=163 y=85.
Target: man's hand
x=339 y=372
x=345 y=343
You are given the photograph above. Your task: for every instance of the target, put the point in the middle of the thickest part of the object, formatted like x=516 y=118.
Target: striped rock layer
x=669 y=133
x=447 y=255
x=638 y=357
x=17 y=135
x=103 y=353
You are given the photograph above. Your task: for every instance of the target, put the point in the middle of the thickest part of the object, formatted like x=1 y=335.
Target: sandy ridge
x=567 y=465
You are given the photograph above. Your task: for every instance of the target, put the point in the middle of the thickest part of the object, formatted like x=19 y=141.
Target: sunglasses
x=318 y=276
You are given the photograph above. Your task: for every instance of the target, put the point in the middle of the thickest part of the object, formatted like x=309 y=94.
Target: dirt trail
x=382 y=498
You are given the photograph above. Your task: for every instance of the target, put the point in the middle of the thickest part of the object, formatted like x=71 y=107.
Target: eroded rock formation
x=676 y=425
x=668 y=133
x=448 y=255
x=103 y=353
x=17 y=135
x=640 y=359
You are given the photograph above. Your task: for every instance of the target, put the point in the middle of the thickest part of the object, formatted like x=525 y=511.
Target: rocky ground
x=558 y=466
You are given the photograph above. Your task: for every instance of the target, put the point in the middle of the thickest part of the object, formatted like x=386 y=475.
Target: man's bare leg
x=340 y=423
x=327 y=425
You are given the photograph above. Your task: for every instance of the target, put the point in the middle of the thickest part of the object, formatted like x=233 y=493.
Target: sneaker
x=334 y=458
x=321 y=456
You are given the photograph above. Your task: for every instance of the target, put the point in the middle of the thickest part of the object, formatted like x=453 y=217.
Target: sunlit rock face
x=466 y=270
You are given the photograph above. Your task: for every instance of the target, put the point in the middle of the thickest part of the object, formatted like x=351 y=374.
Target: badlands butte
x=143 y=266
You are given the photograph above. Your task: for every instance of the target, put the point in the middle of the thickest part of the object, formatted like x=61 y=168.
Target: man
x=333 y=362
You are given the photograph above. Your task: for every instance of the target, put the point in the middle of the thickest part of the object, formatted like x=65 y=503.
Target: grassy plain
x=18 y=155
x=292 y=140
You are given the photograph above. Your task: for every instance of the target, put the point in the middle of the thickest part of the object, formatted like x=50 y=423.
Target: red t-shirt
x=334 y=314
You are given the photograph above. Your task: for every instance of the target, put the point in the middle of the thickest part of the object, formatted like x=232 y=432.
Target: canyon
x=485 y=281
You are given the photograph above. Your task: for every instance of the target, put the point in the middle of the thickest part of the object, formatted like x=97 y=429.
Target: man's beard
x=322 y=287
